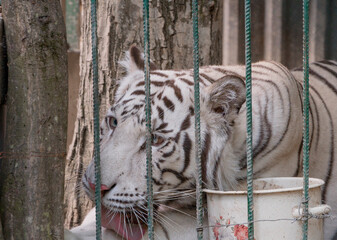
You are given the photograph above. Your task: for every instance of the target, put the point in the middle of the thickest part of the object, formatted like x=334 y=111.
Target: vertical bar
x=148 y=118
x=96 y=119
x=318 y=29
x=273 y=30
x=197 y=118
x=230 y=43
x=305 y=117
x=249 y=122
x=72 y=15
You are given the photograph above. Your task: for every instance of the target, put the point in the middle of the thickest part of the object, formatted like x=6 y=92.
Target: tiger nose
x=103 y=187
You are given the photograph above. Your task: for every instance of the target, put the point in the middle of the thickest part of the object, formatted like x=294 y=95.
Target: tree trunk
x=3 y=92
x=120 y=25
x=32 y=171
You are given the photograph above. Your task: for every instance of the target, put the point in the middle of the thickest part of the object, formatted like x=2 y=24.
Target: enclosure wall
x=277 y=31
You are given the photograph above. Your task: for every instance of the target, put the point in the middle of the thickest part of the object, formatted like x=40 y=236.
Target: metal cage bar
x=199 y=194
x=148 y=118
x=96 y=119
x=250 y=203
x=305 y=117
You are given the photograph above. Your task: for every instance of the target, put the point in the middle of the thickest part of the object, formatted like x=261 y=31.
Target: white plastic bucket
x=277 y=202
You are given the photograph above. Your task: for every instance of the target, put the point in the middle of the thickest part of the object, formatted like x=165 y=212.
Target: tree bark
x=120 y=25
x=32 y=171
x=3 y=91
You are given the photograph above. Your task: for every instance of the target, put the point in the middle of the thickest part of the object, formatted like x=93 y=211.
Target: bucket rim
x=316 y=183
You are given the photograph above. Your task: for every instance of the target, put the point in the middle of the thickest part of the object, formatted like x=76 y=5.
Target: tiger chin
x=277 y=142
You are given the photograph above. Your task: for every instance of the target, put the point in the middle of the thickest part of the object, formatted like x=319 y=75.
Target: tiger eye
x=112 y=122
x=157 y=140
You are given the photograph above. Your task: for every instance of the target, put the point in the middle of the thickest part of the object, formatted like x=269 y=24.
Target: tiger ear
x=134 y=60
x=227 y=95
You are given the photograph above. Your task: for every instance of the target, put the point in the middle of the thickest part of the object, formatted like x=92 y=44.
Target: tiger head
x=123 y=137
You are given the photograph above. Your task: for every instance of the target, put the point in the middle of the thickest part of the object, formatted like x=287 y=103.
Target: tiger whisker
x=177 y=210
x=136 y=215
x=160 y=216
x=168 y=225
x=119 y=225
x=126 y=229
x=129 y=221
x=174 y=197
x=175 y=190
x=164 y=222
x=169 y=199
x=142 y=218
x=112 y=215
x=163 y=216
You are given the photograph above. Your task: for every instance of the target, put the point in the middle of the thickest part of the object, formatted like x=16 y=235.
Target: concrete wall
x=73 y=81
x=73 y=84
x=277 y=31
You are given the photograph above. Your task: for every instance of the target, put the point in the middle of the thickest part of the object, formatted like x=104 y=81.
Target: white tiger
x=277 y=142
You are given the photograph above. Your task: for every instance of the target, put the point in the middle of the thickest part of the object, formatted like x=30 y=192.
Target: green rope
x=96 y=119
x=197 y=118
x=305 y=116
x=148 y=118
x=249 y=123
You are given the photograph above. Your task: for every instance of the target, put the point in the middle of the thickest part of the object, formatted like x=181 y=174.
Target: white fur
x=123 y=162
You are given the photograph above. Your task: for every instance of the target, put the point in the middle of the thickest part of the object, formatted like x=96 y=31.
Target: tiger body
x=277 y=139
